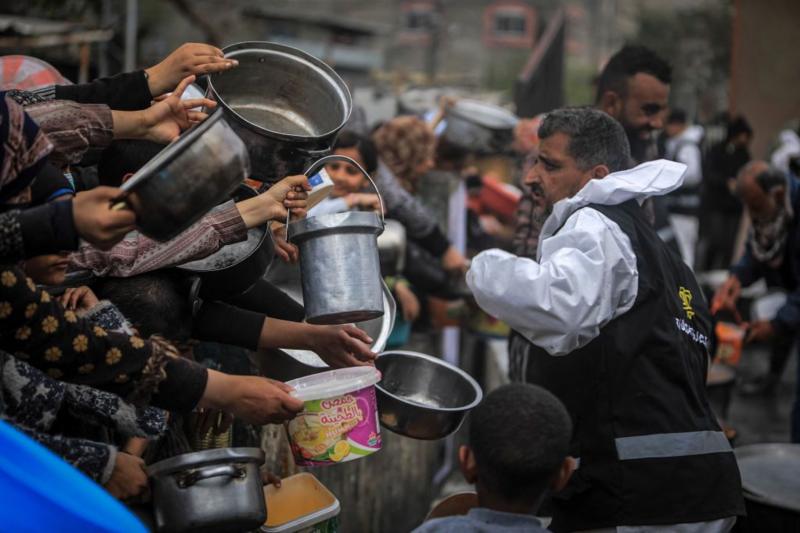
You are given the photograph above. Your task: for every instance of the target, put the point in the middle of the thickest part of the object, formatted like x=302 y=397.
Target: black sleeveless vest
x=650 y=449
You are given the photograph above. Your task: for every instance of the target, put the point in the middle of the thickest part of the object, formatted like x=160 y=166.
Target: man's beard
x=768 y=239
x=641 y=146
x=543 y=206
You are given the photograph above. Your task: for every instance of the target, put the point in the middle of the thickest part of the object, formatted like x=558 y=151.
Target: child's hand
x=408 y=302
x=283 y=248
x=289 y=193
x=79 y=299
x=365 y=200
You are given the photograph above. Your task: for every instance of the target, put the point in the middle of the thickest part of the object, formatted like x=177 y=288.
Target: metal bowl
x=423 y=397
x=188 y=178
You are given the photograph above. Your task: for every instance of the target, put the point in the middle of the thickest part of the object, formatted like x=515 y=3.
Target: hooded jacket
x=584 y=276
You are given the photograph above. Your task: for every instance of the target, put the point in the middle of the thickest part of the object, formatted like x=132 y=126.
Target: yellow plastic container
x=302 y=503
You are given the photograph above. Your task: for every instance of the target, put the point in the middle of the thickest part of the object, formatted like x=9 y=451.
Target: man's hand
x=96 y=222
x=79 y=298
x=342 y=346
x=128 y=479
x=726 y=296
x=163 y=121
x=759 y=331
x=254 y=399
x=188 y=59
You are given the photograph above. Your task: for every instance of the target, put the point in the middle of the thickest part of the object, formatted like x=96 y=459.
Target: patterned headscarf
x=403 y=144
x=23 y=153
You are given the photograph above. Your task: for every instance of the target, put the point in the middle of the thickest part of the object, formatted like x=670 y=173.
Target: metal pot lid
x=483 y=114
x=172 y=150
x=295 y=54
x=205 y=458
x=365 y=220
x=771 y=474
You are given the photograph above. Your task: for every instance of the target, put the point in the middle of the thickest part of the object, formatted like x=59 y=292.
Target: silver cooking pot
x=213 y=490
x=286 y=105
x=187 y=178
x=479 y=127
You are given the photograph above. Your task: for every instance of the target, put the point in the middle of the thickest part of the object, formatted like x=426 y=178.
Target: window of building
x=418 y=19
x=509 y=23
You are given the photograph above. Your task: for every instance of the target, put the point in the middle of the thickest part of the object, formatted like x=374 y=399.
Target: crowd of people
x=621 y=202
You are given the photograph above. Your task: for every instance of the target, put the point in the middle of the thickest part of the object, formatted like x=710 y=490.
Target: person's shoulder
x=444 y=525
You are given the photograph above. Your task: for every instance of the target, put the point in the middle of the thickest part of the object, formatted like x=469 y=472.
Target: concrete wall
x=765 y=68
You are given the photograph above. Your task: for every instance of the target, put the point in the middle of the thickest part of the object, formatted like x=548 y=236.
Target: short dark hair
x=771 y=179
x=737 y=126
x=626 y=63
x=594 y=137
x=124 y=157
x=676 y=116
x=155 y=303
x=364 y=145
x=520 y=436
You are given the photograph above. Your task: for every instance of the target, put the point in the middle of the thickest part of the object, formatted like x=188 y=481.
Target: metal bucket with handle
x=339 y=263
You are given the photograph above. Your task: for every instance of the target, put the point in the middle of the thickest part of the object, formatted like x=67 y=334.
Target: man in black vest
x=619 y=332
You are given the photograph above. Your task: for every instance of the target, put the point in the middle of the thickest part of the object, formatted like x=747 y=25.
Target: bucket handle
x=316 y=165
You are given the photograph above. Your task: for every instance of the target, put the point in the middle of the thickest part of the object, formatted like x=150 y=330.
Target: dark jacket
x=787 y=275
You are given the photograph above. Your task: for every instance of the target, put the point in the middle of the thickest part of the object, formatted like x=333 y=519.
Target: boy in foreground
x=517 y=451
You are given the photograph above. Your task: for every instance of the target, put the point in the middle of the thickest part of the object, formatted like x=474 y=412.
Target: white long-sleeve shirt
x=585 y=274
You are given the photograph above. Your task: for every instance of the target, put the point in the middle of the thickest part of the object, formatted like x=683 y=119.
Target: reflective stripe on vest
x=672 y=445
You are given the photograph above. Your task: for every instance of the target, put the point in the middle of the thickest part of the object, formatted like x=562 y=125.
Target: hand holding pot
x=187 y=59
x=283 y=248
x=254 y=399
x=128 y=479
x=342 y=346
x=96 y=222
x=726 y=296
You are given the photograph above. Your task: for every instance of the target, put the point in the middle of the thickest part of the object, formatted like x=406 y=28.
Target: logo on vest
x=686 y=298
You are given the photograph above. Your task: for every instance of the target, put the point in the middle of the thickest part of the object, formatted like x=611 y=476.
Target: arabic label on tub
x=339 y=421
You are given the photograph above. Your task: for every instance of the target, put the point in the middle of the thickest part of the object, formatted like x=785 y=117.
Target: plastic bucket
x=302 y=503
x=339 y=422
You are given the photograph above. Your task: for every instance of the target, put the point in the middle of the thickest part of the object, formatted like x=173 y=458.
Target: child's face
x=346 y=178
x=48 y=269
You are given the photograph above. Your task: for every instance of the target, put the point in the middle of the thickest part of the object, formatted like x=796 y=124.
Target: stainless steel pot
x=286 y=364
x=213 y=490
x=187 y=178
x=339 y=262
x=234 y=268
x=287 y=105
x=423 y=397
x=479 y=127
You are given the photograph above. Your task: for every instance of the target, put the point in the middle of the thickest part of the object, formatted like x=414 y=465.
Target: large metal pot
x=210 y=491
x=339 y=262
x=423 y=397
x=187 y=178
x=286 y=105
x=289 y=364
x=479 y=127
x=234 y=268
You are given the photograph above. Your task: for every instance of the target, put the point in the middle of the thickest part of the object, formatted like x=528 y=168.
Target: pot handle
x=319 y=163
x=187 y=479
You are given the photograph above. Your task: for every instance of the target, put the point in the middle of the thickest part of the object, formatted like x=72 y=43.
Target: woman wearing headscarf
x=406 y=147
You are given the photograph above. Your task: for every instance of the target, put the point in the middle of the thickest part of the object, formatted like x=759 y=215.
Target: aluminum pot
x=187 y=178
x=423 y=397
x=479 y=127
x=213 y=490
x=286 y=105
x=234 y=268
x=339 y=262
